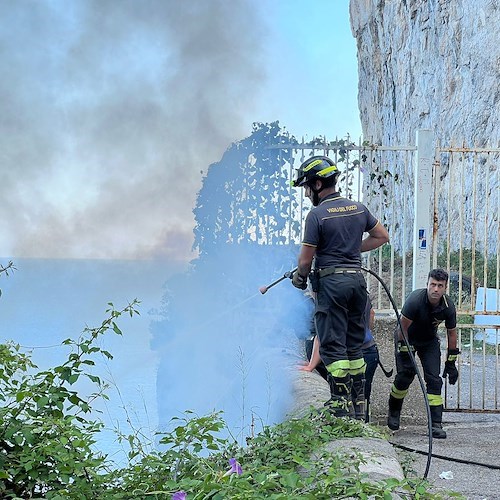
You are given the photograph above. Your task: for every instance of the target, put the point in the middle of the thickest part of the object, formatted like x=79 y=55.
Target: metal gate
x=462 y=235
x=466 y=241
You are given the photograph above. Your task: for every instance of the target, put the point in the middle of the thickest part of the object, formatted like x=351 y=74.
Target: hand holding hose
x=299 y=281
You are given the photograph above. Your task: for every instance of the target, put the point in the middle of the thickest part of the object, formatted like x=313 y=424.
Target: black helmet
x=316 y=167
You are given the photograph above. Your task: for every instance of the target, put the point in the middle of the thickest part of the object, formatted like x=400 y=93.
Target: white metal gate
x=466 y=241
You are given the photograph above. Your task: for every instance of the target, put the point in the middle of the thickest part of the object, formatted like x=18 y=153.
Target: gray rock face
x=434 y=64
x=428 y=64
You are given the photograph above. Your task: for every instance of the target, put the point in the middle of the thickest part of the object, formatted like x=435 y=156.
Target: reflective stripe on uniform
x=435 y=399
x=339 y=368
x=398 y=393
x=357 y=366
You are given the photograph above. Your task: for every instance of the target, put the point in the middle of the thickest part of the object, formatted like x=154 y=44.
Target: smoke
x=110 y=110
x=222 y=345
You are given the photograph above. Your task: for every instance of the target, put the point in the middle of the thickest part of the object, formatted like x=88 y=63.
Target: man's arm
x=405 y=324
x=315 y=357
x=305 y=260
x=371 y=322
x=376 y=238
x=452 y=338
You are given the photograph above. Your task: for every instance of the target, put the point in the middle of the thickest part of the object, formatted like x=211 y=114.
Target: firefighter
x=422 y=312
x=333 y=237
x=370 y=355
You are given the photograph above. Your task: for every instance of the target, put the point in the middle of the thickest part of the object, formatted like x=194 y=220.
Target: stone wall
x=414 y=410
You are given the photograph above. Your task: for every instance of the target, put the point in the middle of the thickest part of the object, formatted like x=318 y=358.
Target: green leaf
x=42 y=402
x=94 y=378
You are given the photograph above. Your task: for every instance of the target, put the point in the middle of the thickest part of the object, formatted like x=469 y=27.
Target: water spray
x=288 y=274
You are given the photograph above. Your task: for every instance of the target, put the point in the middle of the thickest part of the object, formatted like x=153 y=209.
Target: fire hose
x=289 y=274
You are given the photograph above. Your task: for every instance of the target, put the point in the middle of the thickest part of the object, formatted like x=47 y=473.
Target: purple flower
x=235 y=467
x=179 y=495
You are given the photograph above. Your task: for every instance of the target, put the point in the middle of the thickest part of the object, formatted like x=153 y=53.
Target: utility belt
x=316 y=274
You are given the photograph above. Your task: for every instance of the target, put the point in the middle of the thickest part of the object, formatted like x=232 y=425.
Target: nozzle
x=288 y=274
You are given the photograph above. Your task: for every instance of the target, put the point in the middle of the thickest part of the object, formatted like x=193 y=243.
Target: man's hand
x=450 y=370
x=306 y=367
x=299 y=281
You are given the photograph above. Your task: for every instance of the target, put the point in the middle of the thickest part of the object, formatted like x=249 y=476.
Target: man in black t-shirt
x=333 y=236
x=422 y=312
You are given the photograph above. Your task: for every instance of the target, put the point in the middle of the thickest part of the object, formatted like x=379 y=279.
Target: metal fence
x=466 y=241
x=441 y=206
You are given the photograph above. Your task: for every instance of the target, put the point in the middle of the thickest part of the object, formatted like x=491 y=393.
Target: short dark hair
x=438 y=274
x=326 y=182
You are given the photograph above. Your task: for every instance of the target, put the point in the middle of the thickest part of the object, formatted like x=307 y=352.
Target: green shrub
x=46 y=437
x=47 y=445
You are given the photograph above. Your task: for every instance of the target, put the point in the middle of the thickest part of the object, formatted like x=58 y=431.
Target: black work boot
x=394 y=416
x=358 y=396
x=437 y=428
x=340 y=390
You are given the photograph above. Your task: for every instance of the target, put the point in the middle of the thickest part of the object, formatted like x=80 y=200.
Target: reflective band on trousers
x=357 y=366
x=339 y=368
x=435 y=399
x=398 y=393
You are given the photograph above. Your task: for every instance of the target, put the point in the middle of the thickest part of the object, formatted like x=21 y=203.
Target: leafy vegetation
x=46 y=437
x=47 y=444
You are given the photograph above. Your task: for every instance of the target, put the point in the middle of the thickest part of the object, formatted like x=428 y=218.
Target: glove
x=450 y=369
x=299 y=281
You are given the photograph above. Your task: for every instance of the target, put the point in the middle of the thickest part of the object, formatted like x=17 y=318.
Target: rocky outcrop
x=428 y=64
x=433 y=64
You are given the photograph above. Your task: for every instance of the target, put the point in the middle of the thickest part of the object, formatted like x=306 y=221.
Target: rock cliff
x=435 y=64
x=428 y=64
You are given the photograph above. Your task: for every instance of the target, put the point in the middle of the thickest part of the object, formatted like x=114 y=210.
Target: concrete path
x=471 y=437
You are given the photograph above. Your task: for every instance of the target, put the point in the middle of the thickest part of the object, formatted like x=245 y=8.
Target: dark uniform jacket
x=426 y=318
x=335 y=228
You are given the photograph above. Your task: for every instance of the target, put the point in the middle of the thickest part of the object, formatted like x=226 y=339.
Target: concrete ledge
x=379 y=457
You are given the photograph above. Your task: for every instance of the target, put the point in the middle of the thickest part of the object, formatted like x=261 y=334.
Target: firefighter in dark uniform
x=333 y=237
x=422 y=312
x=370 y=355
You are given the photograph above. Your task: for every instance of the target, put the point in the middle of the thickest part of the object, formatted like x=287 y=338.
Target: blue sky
x=313 y=68
x=112 y=108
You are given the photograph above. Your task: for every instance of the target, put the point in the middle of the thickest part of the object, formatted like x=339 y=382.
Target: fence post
x=422 y=209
